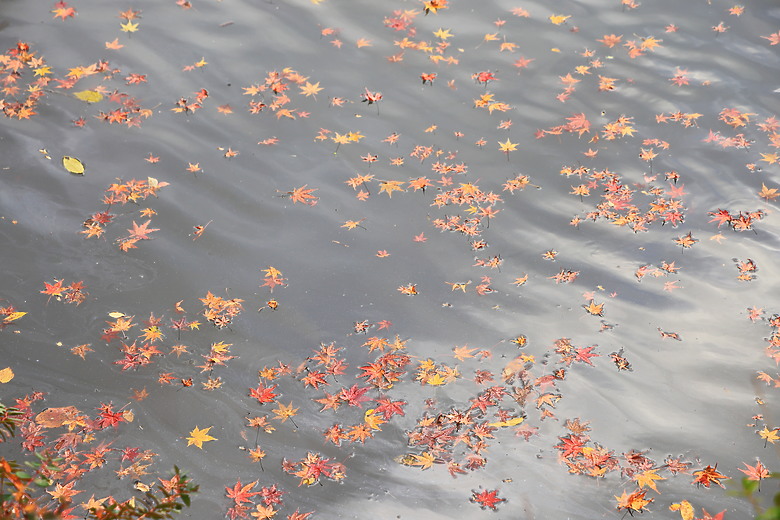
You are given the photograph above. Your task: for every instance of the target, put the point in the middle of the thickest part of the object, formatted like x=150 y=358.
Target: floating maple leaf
x=303 y=195
x=708 y=475
x=141 y=232
x=634 y=502
x=487 y=498
x=199 y=436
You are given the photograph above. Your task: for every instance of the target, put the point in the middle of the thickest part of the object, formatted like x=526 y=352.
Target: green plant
x=750 y=489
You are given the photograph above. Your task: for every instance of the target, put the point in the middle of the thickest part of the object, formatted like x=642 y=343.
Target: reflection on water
x=540 y=184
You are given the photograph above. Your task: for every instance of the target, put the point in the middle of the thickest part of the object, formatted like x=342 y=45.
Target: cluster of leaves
x=145 y=348
x=44 y=485
x=617 y=205
x=9 y=314
x=73 y=293
x=278 y=84
x=269 y=504
x=459 y=435
x=17 y=62
x=122 y=193
x=221 y=311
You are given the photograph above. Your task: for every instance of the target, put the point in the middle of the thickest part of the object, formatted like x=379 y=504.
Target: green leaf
x=42 y=482
x=750 y=486
x=23 y=474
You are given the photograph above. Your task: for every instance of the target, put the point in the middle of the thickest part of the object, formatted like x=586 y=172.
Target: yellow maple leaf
x=310 y=89
x=389 y=187
x=648 y=478
x=129 y=27
x=424 y=460
x=13 y=317
x=769 y=435
x=650 y=43
x=272 y=272
x=373 y=420
x=464 y=352
x=92 y=503
x=199 y=436
x=558 y=19
x=264 y=512
x=768 y=193
x=508 y=146
x=285 y=412
x=435 y=380
x=770 y=158
x=352 y=224
x=443 y=34
x=594 y=308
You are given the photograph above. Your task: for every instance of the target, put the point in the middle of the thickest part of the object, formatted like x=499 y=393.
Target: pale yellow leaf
x=73 y=165
x=90 y=96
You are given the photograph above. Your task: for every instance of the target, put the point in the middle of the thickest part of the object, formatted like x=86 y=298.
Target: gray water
x=692 y=398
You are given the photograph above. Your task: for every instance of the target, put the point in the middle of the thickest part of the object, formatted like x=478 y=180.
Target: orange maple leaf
x=594 y=308
x=303 y=195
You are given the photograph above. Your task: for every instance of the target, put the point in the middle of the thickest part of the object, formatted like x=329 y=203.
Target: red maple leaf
x=722 y=216
x=389 y=408
x=314 y=378
x=108 y=417
x=240 y=494
x=264 y=394
x=707 y=476
x=54 y=289
x=584 y=355
x=384 y=324
x=488 y=498
x=757 y=472
x=572 y=445
x=354 y=396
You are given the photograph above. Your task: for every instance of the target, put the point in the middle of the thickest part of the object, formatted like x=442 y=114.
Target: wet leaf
x=90 y=96
x=198 y=436
x=6 y=375
x=73 y=165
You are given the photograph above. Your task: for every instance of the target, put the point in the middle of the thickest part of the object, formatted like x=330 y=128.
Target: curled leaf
x=685 y=508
